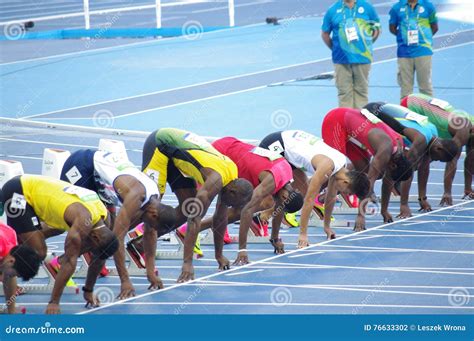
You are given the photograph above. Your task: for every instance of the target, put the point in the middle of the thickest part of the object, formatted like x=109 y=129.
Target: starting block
x=113 y=146
x=208 y=239
x=9 y=169
x=53 y=162
x=315 y=221
x=172 y=254
x=42 y=288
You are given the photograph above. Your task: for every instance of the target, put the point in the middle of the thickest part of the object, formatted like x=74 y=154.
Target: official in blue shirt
x=349 y=29
x=414 y=23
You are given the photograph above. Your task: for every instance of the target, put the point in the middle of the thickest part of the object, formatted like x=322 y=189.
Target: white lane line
x=447 y=220
x=327 y=266
x=306 y=254
x=448 y=234
x=244 y=272
x=374 y=289
x=399 y=249
x=257 y=262
x=362 y=238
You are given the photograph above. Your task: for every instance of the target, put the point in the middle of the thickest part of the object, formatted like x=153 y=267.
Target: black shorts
x=79 y=170
x=272 y=138
x=20 y=215
x=175 y=179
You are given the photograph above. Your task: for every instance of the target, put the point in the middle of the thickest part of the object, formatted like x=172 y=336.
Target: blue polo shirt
x=365 y=20
x=422 y=16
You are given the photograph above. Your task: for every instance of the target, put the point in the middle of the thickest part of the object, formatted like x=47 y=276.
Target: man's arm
x=405 y=210
x=329 y=203
x=9 y=290
x=219 y=224
x=93 y=272
x=264 y=189
x=434 y=28
x=378 y=166
x=72 y=250
x=277 y=219
x=393 y=29
x=131 y=205
x=449 y=173
x=150 y=237
x=387 y=185
x=322 y=174
x=423 y=174
x=211 y=187
x=326 y=36
x=469 y=169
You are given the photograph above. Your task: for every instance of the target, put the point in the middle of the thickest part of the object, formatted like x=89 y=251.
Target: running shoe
x=259 y=227
x=53 y=267
x=318 y=208
x=290 y=220
x=104 y=272
x=135 y=254
x=181 y=233
x=137 y=231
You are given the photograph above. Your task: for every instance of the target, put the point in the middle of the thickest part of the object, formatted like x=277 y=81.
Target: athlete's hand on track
x=359 y=224
x=126 y=290
x=302 y=241
x=223 y=262
x=387 y=217
x=405 y=212
x=91 y=300
x=278 y=246
x=242 y=258
x=53 y=309
x=330 y=233
x=446 y=200
x=187 y=273
x=155 y=282
x=425 y=206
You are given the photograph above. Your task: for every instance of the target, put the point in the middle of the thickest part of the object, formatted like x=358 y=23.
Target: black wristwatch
x=422 y=199
x=87 y=290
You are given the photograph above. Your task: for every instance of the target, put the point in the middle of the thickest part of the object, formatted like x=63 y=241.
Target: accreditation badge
x=351 y=31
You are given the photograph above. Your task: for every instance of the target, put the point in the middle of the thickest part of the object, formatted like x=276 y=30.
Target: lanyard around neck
x=408 y=8
x=353 y=10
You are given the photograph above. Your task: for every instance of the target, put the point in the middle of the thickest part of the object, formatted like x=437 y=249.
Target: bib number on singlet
x=82 y=193
x=371 y=117
x=272 y=156
x=73 y=175
x=197 y=140
x=276 y=147
x=153 y=174
x=439 y=103
x=413 y=116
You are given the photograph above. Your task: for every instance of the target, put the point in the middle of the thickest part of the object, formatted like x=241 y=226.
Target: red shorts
x=336 y=134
